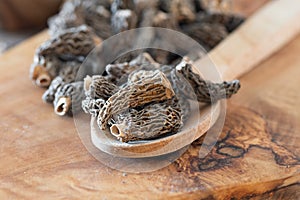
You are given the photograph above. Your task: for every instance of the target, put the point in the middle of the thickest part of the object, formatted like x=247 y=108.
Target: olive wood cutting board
x=256 y=156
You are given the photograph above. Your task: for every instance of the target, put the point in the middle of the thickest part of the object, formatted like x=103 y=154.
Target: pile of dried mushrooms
x=138 y=97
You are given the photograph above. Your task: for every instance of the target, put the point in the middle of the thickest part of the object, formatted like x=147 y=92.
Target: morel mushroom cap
x=119 y=72
x=153 y=87
x=205 y=91
x=99 y=87
x=202 y=33
x=92 y=106
x=69 y=44
x=49 y=94
x=152 y=121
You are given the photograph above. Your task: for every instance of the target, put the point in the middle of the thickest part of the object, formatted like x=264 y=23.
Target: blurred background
x=20 y=19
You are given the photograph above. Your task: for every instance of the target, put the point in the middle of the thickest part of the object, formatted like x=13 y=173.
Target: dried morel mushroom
x=49 y=94
x=137 y=96
x=144 y=60
x=122 y=4
x=67 y=74
x=70 y=44
x=147 y=16
x=68 y=98
x=183 y=11
x=152 y=121
x=119 y=72
x=164 y=20
x=97 y=16
x=123 y=20
x=43 y=70
x=70 y=15
x=53 y=56
x=209 y=35
x=179 y=85
x=142 y=6
x=156 y=18
x=152 y=88
x=205 y=91
x=215 y=5
x=68 y=71
x=74 y=13
x=92 y=106
x=99 y=87
x=44 y=73
x=230 y=21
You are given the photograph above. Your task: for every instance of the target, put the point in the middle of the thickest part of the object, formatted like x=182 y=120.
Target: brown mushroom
x=205 y=91
x=152 y=88
x=68 y=98
x=152 y=121
x=99 y=87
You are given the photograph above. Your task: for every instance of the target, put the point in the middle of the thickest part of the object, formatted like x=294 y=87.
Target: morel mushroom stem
x=49 y=66
x=63 y=106
x=43 y=80
x=153 y=87
x=40 y=76
x=117 y=130
x=68 y=98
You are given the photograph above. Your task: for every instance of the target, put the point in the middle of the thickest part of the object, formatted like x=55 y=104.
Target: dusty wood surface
x=257 y=155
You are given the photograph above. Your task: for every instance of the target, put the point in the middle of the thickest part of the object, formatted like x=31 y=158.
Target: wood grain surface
x=256 y=156
x=262 y=34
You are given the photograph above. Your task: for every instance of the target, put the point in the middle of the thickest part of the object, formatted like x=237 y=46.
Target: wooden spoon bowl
x=194 y=128
x=258 y=38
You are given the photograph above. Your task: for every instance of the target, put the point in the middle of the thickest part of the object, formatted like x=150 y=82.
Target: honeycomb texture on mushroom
x=152 y=88
x=152 y=121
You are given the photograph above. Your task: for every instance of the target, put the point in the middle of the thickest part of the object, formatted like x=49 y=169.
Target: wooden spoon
x=259 y=37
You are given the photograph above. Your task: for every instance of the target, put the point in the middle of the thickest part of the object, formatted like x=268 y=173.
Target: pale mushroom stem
x=43 y=80
x=63 y=106
x=40 y=76
x=117 y=130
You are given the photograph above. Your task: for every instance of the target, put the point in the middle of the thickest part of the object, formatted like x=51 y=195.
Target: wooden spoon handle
x=259 y=37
